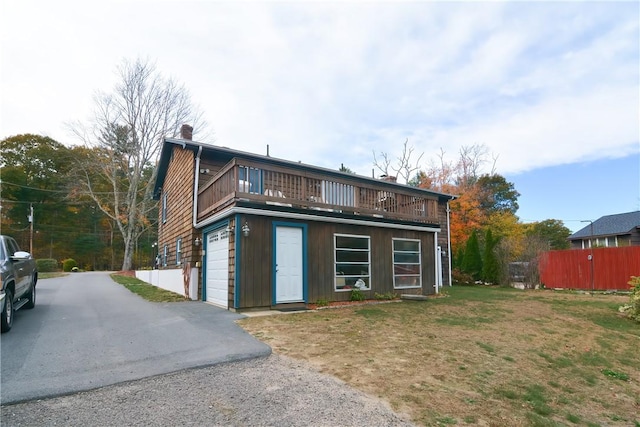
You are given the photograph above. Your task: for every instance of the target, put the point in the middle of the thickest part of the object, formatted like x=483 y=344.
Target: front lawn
x=481 y=356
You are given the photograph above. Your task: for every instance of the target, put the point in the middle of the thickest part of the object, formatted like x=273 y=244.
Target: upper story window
x=407 y=265
x=249 y=180
x=352 y=262
x=164 y=206
x=179 y=251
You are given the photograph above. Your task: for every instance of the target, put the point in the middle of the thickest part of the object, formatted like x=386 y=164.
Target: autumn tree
x=125 y=133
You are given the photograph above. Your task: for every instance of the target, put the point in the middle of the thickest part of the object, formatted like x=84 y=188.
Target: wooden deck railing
x=281 y=186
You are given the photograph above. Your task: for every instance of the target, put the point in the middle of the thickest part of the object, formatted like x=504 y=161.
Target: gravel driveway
x=267 y=391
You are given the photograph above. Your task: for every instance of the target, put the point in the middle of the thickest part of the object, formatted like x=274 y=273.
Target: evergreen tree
x=490 y=265
x=472 y=261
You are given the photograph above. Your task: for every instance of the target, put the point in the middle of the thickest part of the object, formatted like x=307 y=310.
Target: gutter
x=307 y=217
x=196 y=181
x=449 y=243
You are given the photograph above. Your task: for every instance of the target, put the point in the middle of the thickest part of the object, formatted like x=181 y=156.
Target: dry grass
x=482 y=356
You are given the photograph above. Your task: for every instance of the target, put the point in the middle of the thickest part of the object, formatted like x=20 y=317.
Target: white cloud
x=326 y=83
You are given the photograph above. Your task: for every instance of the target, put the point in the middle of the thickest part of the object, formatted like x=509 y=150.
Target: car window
x=12 y=246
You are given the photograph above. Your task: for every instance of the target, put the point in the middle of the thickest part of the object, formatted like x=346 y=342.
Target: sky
x=552 y=89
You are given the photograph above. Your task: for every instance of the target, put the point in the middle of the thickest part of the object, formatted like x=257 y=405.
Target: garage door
x=217 y=289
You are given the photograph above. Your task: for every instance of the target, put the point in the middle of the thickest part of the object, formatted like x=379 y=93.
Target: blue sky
x=551 y=88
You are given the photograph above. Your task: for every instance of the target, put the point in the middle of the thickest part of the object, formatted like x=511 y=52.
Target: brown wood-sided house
x=270 y=233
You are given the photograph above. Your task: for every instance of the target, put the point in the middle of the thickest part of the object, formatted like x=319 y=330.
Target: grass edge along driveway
x=481 y=356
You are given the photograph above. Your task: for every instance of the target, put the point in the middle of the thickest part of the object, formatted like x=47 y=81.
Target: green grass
x=147 y=291
x=552 y=353
x=51 y=275
x=487 y=347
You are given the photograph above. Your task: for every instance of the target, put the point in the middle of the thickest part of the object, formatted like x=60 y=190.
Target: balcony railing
x=288 y=187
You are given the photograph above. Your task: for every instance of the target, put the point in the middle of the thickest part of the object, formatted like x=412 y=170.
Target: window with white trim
x=164 y=206
x=165 y=255
x=352 y=261
x=407 y=264
x=179 y=251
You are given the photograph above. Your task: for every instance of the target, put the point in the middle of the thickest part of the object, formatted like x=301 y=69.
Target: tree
x=345 y=169
x=404 y=166
x=551 y=231
x=126 y=131
x=497 y=194
x=472 y=261
x=490 y=264
x=34 y=175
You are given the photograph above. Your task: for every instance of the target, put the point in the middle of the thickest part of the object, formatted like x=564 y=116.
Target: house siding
x=179 y=221
x=251 y=273
x=256 y=264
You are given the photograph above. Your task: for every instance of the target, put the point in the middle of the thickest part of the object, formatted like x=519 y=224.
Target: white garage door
x=217 y=289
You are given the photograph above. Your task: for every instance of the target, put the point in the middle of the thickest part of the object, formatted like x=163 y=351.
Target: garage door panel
x=217 y=286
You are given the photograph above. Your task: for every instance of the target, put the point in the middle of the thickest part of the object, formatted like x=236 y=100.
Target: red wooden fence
x=571 y=269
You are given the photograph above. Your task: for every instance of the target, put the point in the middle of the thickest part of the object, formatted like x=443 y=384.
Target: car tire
x=6 y=318
x=31 y=298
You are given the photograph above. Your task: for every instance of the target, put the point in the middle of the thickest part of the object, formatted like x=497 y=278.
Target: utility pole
x=31 y=229
x=591 y=253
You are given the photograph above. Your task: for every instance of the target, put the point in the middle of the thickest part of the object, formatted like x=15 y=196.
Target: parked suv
x=19 y=277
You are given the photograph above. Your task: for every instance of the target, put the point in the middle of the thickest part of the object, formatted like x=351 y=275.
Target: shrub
x=460 y=278
x=68 y=264
x=385 y=296
x=633 y=308
x=322 y=302
x=47 y=265
x=357 y=295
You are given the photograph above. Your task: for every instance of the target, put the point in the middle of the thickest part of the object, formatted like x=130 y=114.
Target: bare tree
x=472 y=157
x=123 y=140
x=404 y=167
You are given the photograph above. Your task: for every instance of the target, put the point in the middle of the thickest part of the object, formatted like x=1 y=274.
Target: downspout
x=196 y=181
x=438 y=263
x=449 y=243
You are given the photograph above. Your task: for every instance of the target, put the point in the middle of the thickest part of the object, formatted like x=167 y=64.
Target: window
x=179 y=251
x=407 y=267
x=352 y=262
x=164 y=207
x=250 y=180
x=165 y=255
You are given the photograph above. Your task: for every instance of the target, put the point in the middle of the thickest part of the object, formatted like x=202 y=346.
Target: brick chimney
x=186 y=132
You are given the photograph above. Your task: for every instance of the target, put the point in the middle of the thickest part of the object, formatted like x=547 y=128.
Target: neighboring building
x=270 y=233
x=609 y=231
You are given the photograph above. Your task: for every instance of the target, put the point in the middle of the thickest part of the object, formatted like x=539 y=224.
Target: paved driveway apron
x=87 y=331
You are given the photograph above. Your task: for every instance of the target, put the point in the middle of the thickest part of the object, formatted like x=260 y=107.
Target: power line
x=87 y=193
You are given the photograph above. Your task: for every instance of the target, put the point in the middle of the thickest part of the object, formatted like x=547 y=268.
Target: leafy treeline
x=486 y=234
x=40 y=172
x=94 y=202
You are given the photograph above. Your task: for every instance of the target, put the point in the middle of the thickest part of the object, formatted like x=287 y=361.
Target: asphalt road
x=87 y=331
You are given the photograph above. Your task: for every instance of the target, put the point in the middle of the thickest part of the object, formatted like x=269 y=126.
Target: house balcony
x=288 y=187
